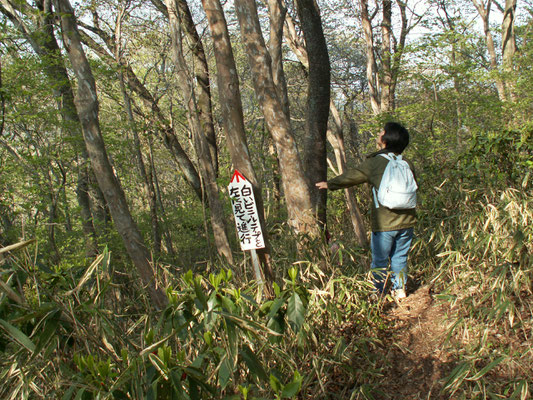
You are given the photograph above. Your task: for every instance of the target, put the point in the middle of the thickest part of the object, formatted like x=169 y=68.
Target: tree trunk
x=336 y=139
x=233 y=120
x=386 y=33
x=277 y=12
x=318 y=101
x=371 y=66
x=202 y=149
x=153 y=178
x=484 y=13
x=149 y=190
x=509 y=43
x=87 y=106
x=295 y=186
x=201 y=72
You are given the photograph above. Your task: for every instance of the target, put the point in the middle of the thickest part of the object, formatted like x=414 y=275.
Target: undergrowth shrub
x=477 y=229
x=83 y=333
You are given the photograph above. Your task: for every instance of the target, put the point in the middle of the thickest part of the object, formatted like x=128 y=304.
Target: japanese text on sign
x=245 y=212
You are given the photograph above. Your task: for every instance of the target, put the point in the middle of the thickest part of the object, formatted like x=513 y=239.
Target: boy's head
x=395 y=137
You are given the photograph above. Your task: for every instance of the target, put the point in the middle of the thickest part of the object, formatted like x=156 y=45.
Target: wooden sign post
x=246 y=219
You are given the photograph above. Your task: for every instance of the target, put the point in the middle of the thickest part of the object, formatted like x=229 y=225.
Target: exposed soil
x=415 y=361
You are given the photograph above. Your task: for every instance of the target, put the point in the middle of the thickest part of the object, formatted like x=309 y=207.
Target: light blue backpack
x=397 y=189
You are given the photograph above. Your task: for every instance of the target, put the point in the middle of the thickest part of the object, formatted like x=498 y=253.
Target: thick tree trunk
x=318 y=102
x=295 y=186
x=87 y=106
x=201 y=145
x=335 y=138
x=233 y=120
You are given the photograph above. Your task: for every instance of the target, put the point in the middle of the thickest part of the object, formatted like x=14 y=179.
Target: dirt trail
x=415 y=364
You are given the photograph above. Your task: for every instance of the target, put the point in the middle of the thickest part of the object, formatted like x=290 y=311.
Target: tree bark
x=232 y=117
x=277 y=12
x=295 y=185
x=201 y=145
x=87 y=106
x=318 y=102
x=386 y=33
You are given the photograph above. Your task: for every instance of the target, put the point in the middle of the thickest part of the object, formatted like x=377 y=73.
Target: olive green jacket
x=370 y=171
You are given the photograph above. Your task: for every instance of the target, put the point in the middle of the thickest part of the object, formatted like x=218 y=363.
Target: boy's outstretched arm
x=322 y=185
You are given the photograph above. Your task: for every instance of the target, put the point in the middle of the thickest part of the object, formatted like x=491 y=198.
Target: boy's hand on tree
x=322 y=185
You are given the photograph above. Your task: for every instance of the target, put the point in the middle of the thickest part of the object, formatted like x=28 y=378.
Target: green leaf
x=275 y=384
x=253 y=363
x=225 y=371
x=49 y=330
x=17 y=335
x=487 y=368
x=295 y=312
x=290 y=390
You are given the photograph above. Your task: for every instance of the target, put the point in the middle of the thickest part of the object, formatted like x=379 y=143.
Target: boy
x=392 y=230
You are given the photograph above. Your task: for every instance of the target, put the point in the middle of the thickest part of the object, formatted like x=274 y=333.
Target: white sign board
x=245 y=212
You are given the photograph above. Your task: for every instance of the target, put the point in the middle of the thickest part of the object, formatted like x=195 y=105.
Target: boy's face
x=381 y=144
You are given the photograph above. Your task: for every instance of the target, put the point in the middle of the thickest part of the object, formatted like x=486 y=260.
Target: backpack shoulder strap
x=391 y=156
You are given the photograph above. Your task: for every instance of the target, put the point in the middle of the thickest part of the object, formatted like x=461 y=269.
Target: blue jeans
x=390 y=246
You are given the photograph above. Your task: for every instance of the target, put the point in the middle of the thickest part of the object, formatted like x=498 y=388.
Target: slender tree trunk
x=295 y=185
x=149 y=190
x=201 y=72
x=153 y=173
x=509 y=43
x=484 y=13
x=202 y=149
x=371 y=66
x=233 y=120
x=168 y=135
x=337 y=142
x=87 y=106
x=277 y=12
x=386 y=33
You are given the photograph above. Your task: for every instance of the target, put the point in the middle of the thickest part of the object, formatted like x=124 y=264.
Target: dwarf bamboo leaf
x=253 y=363
x=487 y=368
x=17 y=335
x=50 y=328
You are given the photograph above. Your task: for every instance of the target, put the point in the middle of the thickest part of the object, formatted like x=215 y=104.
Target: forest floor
x=416 y=361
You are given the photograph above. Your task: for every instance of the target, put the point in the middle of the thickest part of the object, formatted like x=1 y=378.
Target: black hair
x=396 y=137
